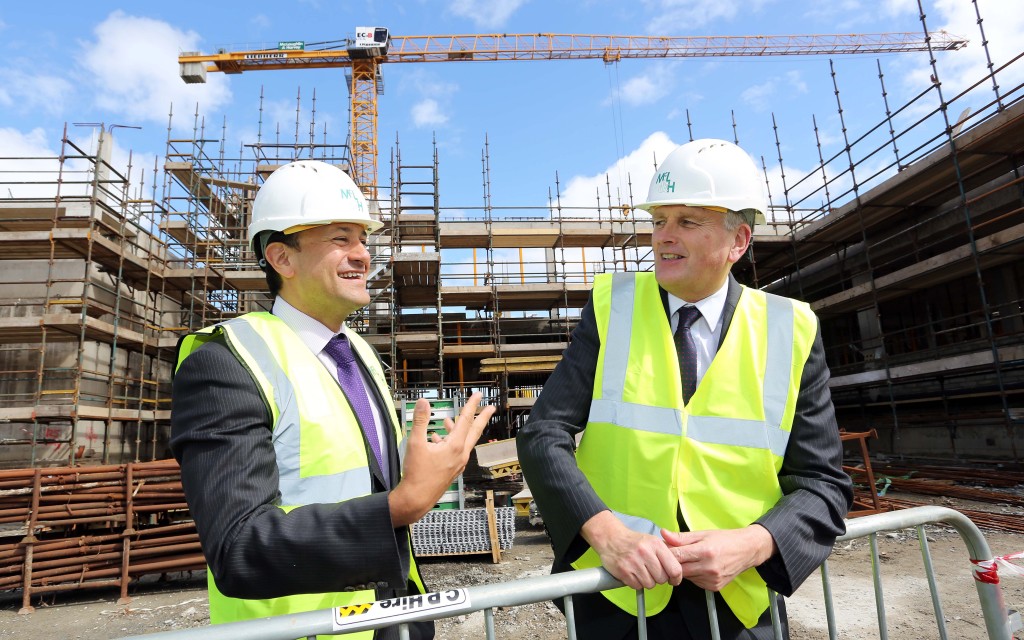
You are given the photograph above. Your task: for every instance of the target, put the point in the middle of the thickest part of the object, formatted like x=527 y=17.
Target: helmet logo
x=349 y=194
x=670 y=186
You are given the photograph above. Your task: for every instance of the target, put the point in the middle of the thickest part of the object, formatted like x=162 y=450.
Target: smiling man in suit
x=710 y=457
x=285 y=430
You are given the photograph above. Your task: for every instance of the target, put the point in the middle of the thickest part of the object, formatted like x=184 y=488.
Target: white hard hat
x=709 y=173
x=308 y=193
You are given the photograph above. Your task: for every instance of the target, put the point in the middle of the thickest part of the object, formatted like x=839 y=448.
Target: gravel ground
x=180 y=602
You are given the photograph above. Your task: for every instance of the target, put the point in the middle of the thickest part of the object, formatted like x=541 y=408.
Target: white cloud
x=279 y=119
x=32 y=164
x=805 y=192
x=684 y=15
x=648 y=87
x=427 y=84
x=808 y=191
x=260 y=21
x=843 y=16
x=829 y=134
x=17 y=143
x=757 y=96
x=134 y=64
x=485 y=14
x=630 y=174
x=26 y=92
x=434 y=97
x=29 y=158
x=1003 y=23
x=427 y=113
x=796 y=81
x=895 y=8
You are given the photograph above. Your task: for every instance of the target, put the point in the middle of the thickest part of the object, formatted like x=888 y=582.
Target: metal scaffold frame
x=905 y=239
x=911 y=262
x=80 y=356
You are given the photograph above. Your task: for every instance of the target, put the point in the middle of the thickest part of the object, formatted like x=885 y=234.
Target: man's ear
x=278 y=256
x=741 y=241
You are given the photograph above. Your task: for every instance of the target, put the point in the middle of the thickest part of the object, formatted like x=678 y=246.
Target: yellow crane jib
x=374 y=46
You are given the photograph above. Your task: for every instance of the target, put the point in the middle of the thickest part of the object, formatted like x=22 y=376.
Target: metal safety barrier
x=999 y=624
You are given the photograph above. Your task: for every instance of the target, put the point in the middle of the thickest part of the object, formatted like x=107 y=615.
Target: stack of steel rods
x=984 y=519
x=81 y=527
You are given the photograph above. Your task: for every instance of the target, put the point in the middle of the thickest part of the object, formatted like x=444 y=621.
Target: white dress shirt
x=707 y=330
x=315 y=335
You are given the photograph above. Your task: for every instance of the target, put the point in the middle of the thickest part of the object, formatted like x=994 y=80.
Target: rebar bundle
x=71 y=528
x=462 y=531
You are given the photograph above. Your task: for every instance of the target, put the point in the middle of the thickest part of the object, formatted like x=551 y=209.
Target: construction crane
x=374 y=46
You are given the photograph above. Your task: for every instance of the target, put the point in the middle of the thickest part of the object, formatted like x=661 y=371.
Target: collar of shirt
x=312 y=332
x=315 y=335
x=710 y=308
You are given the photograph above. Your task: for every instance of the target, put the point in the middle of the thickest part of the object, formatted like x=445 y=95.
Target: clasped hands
x=710 y=559
x=432 y=465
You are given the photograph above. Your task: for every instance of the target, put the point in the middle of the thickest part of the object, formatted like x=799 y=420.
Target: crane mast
x=374 y=46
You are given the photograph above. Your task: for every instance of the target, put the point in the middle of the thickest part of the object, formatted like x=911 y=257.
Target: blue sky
x=116 y=63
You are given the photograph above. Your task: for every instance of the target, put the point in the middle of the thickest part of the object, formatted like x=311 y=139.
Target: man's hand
x=637 y=559
x=431 y=466
x=711 y=559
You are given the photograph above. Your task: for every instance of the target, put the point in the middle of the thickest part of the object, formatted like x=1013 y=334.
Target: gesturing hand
x=431 y=465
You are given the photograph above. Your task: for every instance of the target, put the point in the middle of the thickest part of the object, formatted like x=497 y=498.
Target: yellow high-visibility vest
x=715 y=460
x=317 y=440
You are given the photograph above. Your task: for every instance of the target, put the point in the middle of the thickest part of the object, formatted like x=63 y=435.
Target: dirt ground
x=180 y=602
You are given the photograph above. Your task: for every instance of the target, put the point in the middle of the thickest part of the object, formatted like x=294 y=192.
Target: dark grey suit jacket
x=221 y=431
x=817 y=493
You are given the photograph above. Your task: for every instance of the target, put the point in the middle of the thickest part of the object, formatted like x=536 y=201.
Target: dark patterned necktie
x=352 y=385
x=686 y=349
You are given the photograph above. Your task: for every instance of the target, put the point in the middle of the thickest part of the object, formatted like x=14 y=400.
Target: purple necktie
x=352 y=385
x=686 y=349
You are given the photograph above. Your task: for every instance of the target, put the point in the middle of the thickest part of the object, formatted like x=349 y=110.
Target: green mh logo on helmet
x=352 y=194
x=667 y=185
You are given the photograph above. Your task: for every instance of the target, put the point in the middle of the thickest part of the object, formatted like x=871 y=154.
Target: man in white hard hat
x=285 y=430
x=710 y=457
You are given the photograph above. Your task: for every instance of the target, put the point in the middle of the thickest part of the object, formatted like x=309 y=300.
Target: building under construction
x=906 y=243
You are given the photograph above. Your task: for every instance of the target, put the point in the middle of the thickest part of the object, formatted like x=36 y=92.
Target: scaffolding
x=912 y=263
x=906 y=242
x=84 y=332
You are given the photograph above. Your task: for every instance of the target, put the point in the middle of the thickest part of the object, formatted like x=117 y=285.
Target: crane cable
x=617 y=129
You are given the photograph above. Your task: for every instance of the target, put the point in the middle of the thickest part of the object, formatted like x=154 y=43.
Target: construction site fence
x=1000 y=623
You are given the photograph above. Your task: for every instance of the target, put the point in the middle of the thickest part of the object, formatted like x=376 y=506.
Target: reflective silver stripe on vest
x=610 y=407
x=638 y=524
x=737 y=433
x=620 y=323
x=707 y=429
x=295 y=490
x=637 y=416
x=779 y=372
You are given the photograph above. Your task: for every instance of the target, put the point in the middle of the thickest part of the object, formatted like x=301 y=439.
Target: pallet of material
x=521 y=501
x=498 y=459
x=458 y=532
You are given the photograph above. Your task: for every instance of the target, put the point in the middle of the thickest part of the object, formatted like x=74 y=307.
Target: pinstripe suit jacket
x=817 y=493
x=221 y=436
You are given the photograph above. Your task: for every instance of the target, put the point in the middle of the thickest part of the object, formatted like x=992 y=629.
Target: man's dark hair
x=273 y=277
